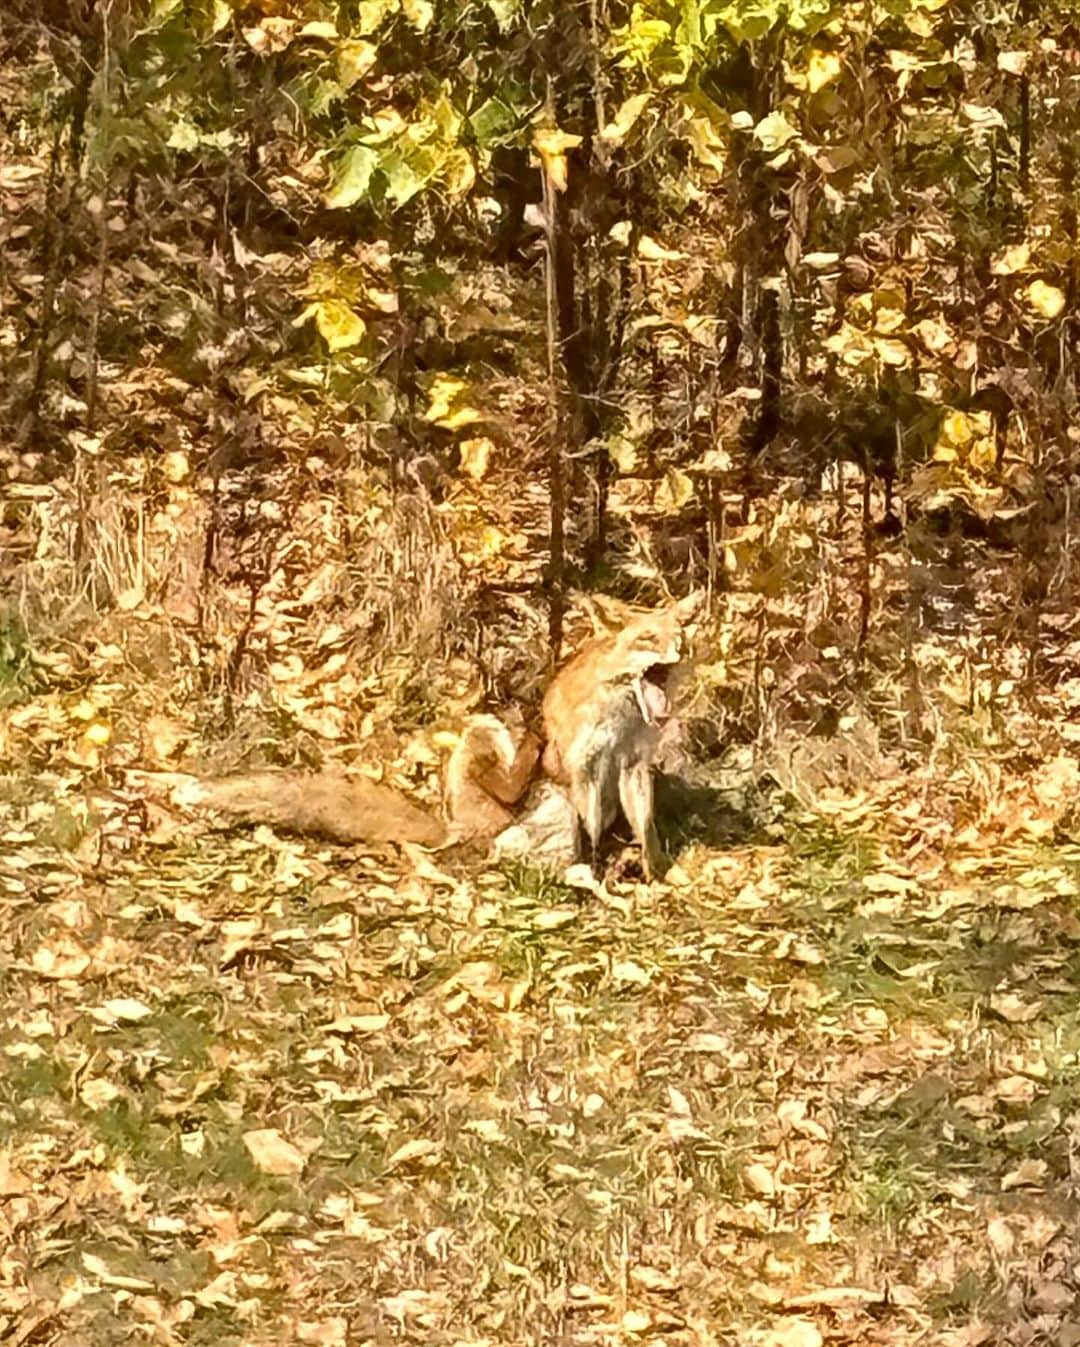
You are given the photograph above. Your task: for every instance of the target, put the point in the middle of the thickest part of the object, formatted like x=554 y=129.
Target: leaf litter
x=797 y=1095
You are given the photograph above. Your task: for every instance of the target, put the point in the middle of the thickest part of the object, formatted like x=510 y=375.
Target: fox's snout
x=652 y=698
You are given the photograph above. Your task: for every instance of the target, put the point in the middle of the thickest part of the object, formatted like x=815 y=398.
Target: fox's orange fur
x=601 y=717
x=488 y=771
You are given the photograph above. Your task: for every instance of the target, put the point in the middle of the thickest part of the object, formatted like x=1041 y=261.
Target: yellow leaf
x=338 y=325
x=823 y=68
x=476 y=457
x=418 y=12
x=709 y=149
x=627 y=115
x=98 y=1093
x=175 y=467
x=352 y=177
x=773 y=132
x=1011 y=260
x=386 y=301
x=371 y=14
x=272 y=1153
x=1046 y=299
x=651 y=251
x=551 y=145
x=982 y=116
x=98 y=733
x=626 y=970
x=354 y=59
x=492 y=541
x=674 y=491
x=1013 y=62
x=759 y=1179
x=888 y=320
x=126 y=1009
x=458 y=171
x=443 y=390
x=791 y=1332
x=623 y=453
x=61 y=959
x=273 y=34
x=934 y=334
x=956 y=428
x=890 y=351
x=443 y=393
x=319 y=28
x=420 y=1149
x=221 y=15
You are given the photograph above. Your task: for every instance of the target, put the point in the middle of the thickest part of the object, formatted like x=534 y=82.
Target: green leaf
x=446 y=117
x=316 y=95
x=641 y=36
x=353 y=177
x=773 y=132
x=491 y=121
x=809 y=15
x=407 y=175
x=746 y=20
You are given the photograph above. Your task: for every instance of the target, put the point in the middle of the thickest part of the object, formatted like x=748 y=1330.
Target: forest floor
x=258 y=1090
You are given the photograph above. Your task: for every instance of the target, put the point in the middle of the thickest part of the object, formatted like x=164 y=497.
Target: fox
x=602 y=717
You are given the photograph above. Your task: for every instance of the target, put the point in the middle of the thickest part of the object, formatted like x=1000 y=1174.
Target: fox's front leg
x=588 y=800
x=636 y=798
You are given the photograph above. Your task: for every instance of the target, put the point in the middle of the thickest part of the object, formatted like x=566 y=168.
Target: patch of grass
x=63 y=829
x=127 y=1129
x=888 y=1190
x=25 y=1084
x=183 y=1033
x=17 y=674
x=828 y=862
x=349 y=1152
x=529 y=886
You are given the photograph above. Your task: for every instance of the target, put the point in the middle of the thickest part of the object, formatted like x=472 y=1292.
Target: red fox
x=602 y=716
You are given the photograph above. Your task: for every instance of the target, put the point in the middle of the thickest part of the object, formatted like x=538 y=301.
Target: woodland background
x=351 y=348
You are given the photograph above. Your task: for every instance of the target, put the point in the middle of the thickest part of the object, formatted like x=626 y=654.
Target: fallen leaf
x=1027 y=1174
x=124 y=1008
x=793 y=1333
x=419 y=1149
x=272 y=1153
x=1014 y=1008
x=60 y=960
x=1046 y=299
x=760 y=1179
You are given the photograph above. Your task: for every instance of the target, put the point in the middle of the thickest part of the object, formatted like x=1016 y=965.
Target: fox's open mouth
x=651 y=694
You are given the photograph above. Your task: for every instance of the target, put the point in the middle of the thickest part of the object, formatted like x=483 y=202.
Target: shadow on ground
x=697 y=812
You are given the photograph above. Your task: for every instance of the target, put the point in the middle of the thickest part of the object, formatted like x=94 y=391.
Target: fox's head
x=657 y=638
